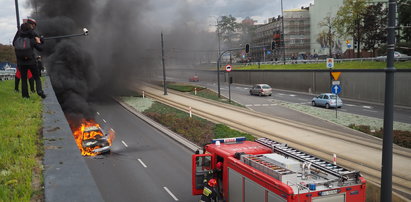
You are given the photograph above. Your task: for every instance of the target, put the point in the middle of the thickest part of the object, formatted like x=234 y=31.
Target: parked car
x=397 y=56
x=327 y=100
x=194 y=78
x=261 y=89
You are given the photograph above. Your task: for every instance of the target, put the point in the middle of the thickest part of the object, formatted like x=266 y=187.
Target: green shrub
x=401 y=138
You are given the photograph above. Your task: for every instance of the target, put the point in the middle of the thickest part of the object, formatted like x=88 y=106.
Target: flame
x=80 y=135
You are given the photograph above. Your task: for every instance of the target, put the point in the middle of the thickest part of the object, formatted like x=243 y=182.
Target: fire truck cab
x=266 y=170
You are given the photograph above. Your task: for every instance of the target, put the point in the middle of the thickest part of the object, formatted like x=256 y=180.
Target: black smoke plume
x=123 y=45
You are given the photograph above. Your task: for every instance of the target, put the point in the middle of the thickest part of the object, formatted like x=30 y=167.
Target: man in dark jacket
x=29 y=62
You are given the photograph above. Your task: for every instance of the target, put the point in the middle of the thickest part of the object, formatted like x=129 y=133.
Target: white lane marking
x=367 y=107
x=265 y=105
x=350 y=105
x=171 y=194
x=98 y=113
x=370 y=110
x=142 y=163
x=280 y=94
x=257 y=105
x=104 y=121
x=248 y=105
x=124 y=143
x=273 y=104
x=292 y=95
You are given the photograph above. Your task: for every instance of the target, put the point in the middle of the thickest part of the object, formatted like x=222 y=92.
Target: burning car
x=95 y=140
x=92 y=140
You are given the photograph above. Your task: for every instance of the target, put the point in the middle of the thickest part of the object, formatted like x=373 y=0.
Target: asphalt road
x=144 y=165
x=240 y=94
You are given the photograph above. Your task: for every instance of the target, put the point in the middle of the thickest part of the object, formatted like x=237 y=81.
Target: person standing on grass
x=24 y=42
x=17 y=78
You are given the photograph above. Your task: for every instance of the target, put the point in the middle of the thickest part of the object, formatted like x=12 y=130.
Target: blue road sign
x=336 y=89
x=348 y=45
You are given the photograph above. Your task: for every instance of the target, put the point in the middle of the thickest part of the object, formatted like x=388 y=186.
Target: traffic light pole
x=218 y=65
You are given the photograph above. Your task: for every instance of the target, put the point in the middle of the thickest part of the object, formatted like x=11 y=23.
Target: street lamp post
x=218 y=62
x=164 y=68
x=387 y=147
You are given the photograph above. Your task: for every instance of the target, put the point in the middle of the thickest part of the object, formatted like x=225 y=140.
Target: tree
x=7 y=53
x=349 y=21
x=327 y=37
x=375 y=20
x=226 y=27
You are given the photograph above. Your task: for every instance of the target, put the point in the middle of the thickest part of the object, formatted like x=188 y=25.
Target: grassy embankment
x=322 y=65
x=21 y=147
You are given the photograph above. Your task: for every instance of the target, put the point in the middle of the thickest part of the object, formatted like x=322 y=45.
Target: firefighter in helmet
x=209 y=192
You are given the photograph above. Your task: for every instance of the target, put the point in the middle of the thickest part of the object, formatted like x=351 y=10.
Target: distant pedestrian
x=24 y=42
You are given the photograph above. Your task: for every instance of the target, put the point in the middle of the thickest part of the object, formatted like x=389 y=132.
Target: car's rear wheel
x=251 y=93
x=259 y=94
x=327 y=106
x=313 y=103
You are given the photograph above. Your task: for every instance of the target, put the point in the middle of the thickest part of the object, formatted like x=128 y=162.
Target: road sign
x=336 y=82
x=335 y=75
x=336 y=89
x=347 y=41
x=348 y=45
x=228 y=68
x=330 y=63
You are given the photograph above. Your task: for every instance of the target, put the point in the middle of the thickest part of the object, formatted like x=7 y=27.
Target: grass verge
x=322 y=65
x=21 y=147
x=195 y=129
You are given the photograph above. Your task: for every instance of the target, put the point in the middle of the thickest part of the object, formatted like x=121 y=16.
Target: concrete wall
x=366 y=86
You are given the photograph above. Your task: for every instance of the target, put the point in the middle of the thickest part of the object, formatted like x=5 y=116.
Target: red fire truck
x=266 y=170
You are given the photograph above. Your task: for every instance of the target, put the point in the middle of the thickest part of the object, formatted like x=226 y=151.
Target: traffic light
x=272 y=45
x=247 y=48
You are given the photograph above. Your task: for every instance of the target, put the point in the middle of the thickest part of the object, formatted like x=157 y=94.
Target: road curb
x=66 y=175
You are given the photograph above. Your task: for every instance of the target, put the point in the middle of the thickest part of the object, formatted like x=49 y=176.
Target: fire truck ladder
x=304 y=157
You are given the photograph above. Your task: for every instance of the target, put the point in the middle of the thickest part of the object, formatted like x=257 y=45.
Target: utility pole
x=218 y=59
x=282 y=27
x=164 y=68
x=16 y=2
x=387 y=147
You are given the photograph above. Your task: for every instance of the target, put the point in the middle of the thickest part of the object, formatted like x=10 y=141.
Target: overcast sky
x=259 y=10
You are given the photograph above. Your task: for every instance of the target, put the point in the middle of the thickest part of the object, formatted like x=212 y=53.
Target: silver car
x=261 y=89
x=327 y=100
